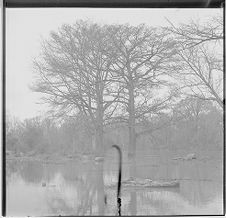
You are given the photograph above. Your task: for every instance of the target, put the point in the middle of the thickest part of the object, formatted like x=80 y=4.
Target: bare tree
x=195 y=33
x=143 y=56
x=200 y=51
x=73 y=74
x=201 y=73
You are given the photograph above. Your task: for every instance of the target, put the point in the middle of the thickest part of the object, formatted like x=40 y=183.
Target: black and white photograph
x=114 y=111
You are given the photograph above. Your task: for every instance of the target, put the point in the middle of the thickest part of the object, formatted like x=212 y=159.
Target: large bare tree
x=201 y=55
x=73 y=73
x=143 y=61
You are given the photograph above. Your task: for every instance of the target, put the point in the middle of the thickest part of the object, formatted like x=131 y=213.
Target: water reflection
x=75 y=188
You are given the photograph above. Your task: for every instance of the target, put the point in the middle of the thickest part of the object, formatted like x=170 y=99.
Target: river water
x=75 y=187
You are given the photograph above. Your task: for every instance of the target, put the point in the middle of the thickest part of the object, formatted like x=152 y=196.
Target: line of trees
x=196 y=124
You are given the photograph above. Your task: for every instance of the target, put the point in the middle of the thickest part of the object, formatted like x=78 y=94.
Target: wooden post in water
x=119 y=179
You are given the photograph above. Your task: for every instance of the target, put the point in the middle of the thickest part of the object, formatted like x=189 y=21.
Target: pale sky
x=25 y=27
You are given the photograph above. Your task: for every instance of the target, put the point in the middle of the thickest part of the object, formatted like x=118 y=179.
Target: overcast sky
x=25 y=27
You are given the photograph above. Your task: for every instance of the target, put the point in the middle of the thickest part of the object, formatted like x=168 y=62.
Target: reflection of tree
x=31 y=172
x=86 y=203
x=78 y=191
x=71 y=175
x=100 y=188
x=11 y=168
x=76 y=171
x=193 y=187
x=79 y=202
x=165 y=202
x=133 y=203
x=58 y=206
x=87 y=190
x=49 y=172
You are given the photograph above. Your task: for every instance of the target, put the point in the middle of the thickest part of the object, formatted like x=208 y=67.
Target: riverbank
x=52 y=158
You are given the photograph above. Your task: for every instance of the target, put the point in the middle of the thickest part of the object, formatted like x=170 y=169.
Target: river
x=37 y=188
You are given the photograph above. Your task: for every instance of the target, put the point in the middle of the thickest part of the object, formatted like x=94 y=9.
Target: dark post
x=119 y=179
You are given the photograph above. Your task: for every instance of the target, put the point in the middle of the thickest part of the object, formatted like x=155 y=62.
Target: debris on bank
x=187 y=157
x=148 y=183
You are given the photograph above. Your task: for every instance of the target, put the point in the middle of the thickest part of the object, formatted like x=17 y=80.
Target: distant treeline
x=192 y=123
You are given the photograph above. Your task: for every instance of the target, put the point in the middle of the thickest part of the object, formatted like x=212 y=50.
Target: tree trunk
x=99 y=124
x=99 y=141
x=132 y=133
